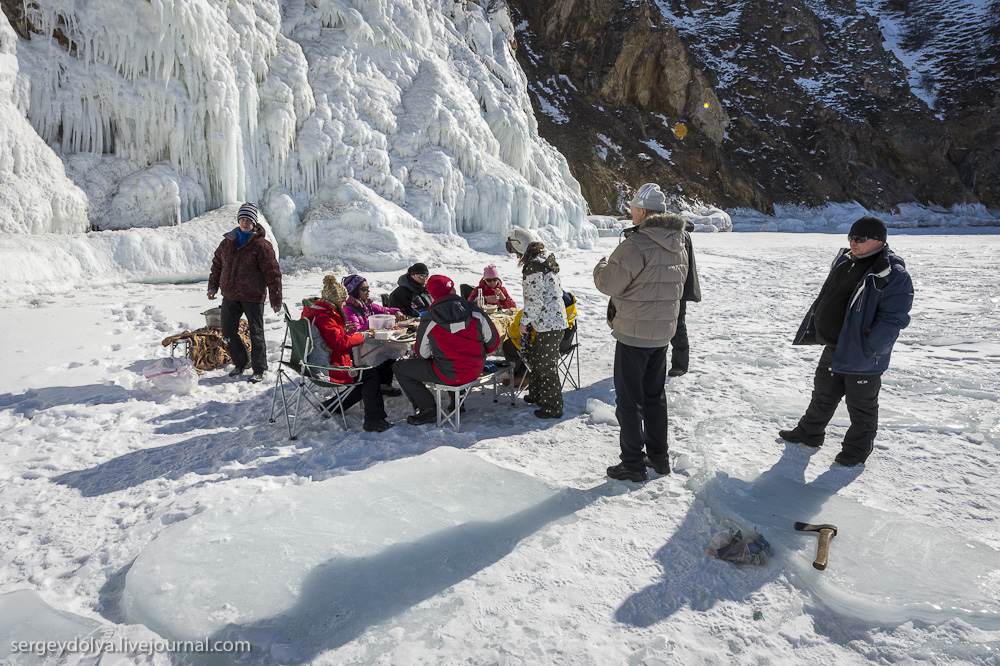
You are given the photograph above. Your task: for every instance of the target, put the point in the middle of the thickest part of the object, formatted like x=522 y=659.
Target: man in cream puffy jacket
x=645 y=279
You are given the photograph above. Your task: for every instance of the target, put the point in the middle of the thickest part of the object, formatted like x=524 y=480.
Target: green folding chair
x=300 y=383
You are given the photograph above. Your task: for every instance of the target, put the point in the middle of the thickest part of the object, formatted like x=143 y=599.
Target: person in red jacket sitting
x=453 y=339
x=327 y=316
x=492 y=290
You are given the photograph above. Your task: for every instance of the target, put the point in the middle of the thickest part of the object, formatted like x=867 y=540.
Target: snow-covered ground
x=506 y=543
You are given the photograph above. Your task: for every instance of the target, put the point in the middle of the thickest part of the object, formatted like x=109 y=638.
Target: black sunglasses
x=858 y=239
x=363 y=289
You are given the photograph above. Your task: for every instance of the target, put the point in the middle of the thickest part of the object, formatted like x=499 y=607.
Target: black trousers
x=385 y=371
x=411 y=373
x=860 y=392
x=513 y=354
x=231 y=313
x=679 y=349
x=641 y=403
x=371 y=393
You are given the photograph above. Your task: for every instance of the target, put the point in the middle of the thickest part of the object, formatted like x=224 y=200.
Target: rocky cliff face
x=757 y=102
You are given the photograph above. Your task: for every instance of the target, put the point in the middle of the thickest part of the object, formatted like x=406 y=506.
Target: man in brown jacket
x=244 y=267
x=645 y=279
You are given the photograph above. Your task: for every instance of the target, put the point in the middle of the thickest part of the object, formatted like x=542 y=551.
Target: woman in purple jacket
x=357 y=309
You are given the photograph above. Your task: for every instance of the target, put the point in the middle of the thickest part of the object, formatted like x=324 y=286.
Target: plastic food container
x=381 y=321
x=383 y=334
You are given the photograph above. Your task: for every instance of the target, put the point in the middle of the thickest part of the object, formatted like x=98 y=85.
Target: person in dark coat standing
x=862 y=307
x=245 y=269
x=411 y=296
x=680 y=350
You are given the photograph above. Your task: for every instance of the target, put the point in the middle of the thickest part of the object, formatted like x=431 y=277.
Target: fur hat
x=247 y=210
x=650 y=197
x=870 y=227
x=519 y=240
x=491 y=272
x=417 y=269
x=333 y=292
x=352 y=283
x=439 y=286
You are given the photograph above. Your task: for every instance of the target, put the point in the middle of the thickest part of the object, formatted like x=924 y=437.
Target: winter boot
x=623 y=473
x=795 y=436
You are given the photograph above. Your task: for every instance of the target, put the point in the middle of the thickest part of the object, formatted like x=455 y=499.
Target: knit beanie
x=333 y=292
x=417 y=269
x=519 y=240
x=248 y=210
x=439 y=286
x=870 y=227
x=490 y=272
x=650 y=197
x=352 y=283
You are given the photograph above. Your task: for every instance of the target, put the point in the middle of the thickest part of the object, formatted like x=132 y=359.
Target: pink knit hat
x=490 y=272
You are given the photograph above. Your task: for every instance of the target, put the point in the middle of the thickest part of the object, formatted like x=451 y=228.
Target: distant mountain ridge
x=758 y=102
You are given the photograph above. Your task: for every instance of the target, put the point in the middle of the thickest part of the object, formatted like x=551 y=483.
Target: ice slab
x=883 y=567
x=26 y=618
x=310 y=567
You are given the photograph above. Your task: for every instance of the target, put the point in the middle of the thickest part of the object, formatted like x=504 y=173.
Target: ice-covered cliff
x=340 y=117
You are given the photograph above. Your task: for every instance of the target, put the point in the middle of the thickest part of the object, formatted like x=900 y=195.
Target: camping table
x=375 y=351
x=502 y=320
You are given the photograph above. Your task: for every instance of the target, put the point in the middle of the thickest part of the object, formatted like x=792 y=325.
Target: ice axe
x=826 y=532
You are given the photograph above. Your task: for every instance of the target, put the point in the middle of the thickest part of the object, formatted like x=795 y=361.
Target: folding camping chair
x=305 y=380
x=569 y=358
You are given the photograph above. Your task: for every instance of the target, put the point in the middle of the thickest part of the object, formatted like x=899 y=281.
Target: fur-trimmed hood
x=664 y=229
x=668 y=221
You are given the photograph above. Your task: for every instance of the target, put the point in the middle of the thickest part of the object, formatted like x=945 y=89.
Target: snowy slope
x=941 y=44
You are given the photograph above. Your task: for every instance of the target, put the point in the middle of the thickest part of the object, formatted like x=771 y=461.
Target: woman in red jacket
x=492 y=290
x=327 y=315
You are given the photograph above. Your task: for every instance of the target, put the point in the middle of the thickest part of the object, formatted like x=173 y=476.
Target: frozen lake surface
x=134 y=513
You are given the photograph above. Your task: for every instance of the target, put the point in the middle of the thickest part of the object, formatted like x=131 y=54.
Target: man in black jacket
x=679 y=347
x=411 y=295
x=858 y=315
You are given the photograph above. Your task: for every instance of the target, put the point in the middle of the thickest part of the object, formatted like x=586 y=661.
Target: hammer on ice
x=826 y=532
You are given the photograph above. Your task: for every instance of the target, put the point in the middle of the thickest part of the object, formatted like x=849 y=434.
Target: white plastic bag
x=735 y=543
x=175 y=375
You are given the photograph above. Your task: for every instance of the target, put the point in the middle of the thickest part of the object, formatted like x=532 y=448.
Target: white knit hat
x=650 y=197
x=519 y=240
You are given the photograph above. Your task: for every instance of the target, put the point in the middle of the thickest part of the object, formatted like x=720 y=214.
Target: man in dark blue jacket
x=862 y=307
